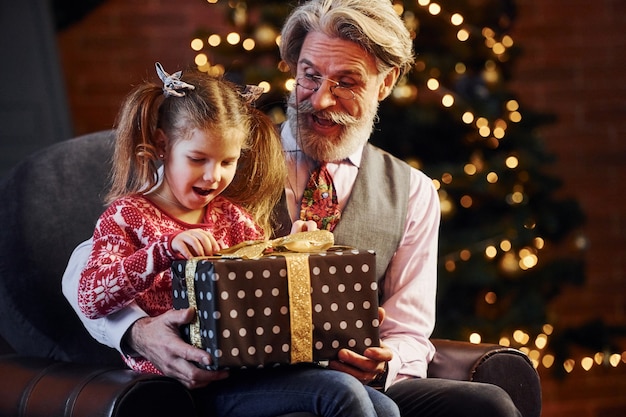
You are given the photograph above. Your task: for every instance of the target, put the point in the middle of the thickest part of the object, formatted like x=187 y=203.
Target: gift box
x=279 y=309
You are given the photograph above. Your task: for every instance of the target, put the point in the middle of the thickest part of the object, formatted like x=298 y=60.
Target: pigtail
x=135 y=156
x=261 y=172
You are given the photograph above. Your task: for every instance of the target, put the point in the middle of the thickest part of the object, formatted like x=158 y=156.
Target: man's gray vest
x=375 y=214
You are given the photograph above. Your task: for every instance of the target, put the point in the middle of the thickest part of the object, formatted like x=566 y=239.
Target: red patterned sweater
x=131 y=256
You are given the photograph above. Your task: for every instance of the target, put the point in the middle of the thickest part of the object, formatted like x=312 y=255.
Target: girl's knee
x=349 y=396
x=384 y=405
x=347 y=385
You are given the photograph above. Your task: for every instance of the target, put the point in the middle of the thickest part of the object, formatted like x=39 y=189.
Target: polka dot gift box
x=279 y=309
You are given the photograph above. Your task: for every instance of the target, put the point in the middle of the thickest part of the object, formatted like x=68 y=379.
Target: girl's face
x=197 y=168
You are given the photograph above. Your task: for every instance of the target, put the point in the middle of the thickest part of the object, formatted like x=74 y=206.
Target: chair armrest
x=43 y=387
x=508 y=368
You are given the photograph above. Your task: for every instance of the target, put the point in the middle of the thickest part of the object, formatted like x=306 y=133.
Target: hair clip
x=172 y=83
x=251 y=93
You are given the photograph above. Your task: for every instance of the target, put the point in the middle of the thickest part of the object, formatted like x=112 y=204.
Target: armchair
x=50 y=365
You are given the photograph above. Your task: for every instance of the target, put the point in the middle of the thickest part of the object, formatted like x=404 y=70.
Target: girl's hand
x=303 y=226
x=194 y=242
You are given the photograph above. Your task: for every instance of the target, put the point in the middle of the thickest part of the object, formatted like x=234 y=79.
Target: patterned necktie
x=319 y=201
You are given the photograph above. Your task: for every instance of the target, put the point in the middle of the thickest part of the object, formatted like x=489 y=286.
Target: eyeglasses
x=314 y=82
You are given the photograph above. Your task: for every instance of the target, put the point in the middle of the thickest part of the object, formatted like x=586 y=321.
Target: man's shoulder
x=391 y=159
x=416 y=175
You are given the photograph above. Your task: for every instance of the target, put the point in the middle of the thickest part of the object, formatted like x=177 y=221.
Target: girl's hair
x=213 y=104
x=373 y=24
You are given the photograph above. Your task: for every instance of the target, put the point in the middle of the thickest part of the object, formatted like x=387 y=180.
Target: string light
x=450 y=266
x=434 y=9
x=547 y=361
x=265 y=86
x=599 y=358
x=405 y=92
x=214 y=40
x=399 y=8
x=491 y=297
x=614 y=359
x=470 y=169
x=539 y=357
x=515 y=117
x=432 y=84
x=447 y=100
x=248 y=44
x=512 y=162
x=462 y=35
x=233 y=38
x=541 y=341
x=201 y=59
x=197 y=44
x=484 y=131
x=456 y=19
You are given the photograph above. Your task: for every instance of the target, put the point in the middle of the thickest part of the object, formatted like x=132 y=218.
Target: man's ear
x=388 y=83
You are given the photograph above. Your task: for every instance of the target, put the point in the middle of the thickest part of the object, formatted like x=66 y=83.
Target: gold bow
x=302 y=242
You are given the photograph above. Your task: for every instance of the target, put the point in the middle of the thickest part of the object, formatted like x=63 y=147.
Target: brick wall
x=573 y=66
x=115 y=47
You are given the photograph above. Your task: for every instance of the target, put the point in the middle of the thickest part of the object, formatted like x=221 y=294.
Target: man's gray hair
x=372 y=24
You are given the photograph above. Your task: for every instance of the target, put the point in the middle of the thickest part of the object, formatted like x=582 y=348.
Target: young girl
x=222 y=173
x=198 y=130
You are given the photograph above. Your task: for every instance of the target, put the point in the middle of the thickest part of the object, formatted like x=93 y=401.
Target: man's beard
x=354 y=131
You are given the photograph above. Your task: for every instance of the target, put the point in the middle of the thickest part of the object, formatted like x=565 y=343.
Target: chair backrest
x=49 y=204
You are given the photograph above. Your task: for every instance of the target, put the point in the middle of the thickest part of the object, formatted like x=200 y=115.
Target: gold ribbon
x=300 y=308
x=295 y=248
x=194 y=327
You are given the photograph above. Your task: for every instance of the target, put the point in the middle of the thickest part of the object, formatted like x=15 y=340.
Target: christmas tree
x=508 y=245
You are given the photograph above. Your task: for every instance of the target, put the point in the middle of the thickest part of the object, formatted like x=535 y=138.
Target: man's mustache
x=305 y=108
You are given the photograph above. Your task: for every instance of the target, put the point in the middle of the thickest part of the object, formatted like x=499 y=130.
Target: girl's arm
x=128 y=253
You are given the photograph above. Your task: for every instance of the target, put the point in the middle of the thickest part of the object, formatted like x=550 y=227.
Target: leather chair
x=50 y=366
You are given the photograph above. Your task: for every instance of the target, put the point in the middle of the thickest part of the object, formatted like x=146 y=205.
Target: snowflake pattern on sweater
x=131 y=256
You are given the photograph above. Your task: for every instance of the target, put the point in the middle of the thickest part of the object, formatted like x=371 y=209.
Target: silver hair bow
x=172 y=83
x=251 y=93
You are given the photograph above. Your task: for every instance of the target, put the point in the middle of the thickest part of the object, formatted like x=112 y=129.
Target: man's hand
x=158 y=340
x=364 y=367
x=303 y=226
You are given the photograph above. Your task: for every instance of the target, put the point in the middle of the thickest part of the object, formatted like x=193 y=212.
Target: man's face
x=327 y=127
